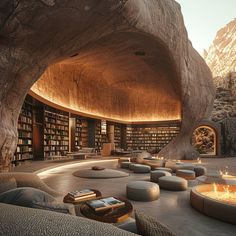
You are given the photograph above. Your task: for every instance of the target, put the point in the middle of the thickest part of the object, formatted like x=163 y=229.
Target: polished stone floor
x=172 y=208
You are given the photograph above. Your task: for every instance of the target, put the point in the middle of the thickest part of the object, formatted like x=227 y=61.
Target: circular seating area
x=186 y=174
x=173 y=183
x=142 y=191
x=156 y=174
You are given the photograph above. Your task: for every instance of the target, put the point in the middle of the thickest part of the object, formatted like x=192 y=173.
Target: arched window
x=204 y=140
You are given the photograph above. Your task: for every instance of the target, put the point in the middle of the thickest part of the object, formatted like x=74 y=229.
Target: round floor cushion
x=138 y=168
x=131 y=166
x=142 y=191
x=186 y=174
x=125 y=164
x=173 y=183
x=200 y=170
x=156 y=174
x=164 y=169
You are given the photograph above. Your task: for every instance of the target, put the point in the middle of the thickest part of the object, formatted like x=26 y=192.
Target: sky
x=203 y=18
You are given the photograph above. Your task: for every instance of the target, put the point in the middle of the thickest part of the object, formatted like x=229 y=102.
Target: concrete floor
x=172 y=208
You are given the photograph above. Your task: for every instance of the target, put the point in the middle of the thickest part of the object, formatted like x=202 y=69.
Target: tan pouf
x=123 y=159
x=200 y=170
x=125 y=164
x=156 y=174
x=164 y=169
x=142 y=191
x=138 y=168
x=173 y=183
x=186 y=174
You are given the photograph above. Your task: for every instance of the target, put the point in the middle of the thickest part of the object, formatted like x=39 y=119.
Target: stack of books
x=82 y=195
x=105 y=204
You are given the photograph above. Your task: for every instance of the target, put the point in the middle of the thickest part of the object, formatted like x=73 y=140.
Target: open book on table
x=105 y=203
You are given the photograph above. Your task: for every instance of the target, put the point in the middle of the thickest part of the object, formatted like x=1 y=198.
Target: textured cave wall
x=35 y=34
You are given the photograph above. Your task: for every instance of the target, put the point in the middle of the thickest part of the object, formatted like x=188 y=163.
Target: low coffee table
x=116 y=215
x=67 y=198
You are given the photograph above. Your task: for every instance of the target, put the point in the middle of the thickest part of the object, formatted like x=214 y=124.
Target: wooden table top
x=116 y=215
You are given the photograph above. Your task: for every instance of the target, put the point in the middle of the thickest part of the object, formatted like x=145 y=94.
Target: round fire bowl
x=213 y=207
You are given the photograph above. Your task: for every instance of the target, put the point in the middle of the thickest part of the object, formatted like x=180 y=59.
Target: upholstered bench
x=173 y=183
x=186 y=174
x=164 y=169
x=142 y=191
x=138 y=168
x=200 y=170
x=125 y=164
x=156 y=174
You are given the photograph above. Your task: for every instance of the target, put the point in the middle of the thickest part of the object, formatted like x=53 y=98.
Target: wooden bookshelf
x=56 y=133
x=100 y=138
x=25 y=126
x=152 y=136
x=81 y=132
x=117 y=135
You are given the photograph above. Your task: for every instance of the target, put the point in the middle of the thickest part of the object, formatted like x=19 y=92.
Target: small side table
x=116 y=215
x=68 y=199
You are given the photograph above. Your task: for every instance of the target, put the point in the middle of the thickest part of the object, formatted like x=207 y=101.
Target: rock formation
x=221 y=56
x=37 y=34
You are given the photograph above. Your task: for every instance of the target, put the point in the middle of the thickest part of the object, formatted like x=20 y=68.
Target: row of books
x=84 y=194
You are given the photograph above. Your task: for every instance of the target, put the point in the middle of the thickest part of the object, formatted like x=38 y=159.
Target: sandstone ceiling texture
x=129 y=60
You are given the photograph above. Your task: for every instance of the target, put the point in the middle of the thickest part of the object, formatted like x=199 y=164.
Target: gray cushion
x=54 y=206
x=173 y=183
x=138 y=168
x=156 y=174
x=186 y=174
x=149 y=226
x=142 y=191
x=25 y=196
x=7 y=184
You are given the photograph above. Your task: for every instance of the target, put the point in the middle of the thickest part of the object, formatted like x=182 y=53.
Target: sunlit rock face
x=221 y=56
x=132 y=58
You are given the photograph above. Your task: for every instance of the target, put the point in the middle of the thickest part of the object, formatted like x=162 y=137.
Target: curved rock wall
x=35 y=34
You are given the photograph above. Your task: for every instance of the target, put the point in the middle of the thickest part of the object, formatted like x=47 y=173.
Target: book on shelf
x=105 y=203
x=82 y=194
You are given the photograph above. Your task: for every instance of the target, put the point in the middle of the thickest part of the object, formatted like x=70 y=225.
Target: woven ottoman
x=142 y=191
x=173 y=183
x=125 y=164
x=156 y=174
x=200 y=170
x=164 y=169
x=131 y=166
x=138 y=168
x=186 y=174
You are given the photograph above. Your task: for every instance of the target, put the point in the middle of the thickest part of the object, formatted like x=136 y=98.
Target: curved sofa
x=24 y=221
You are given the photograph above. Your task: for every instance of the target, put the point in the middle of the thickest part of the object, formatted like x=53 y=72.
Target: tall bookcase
x=150 y=137
x=25 y=126
x=100 y=138
x=117 y=135
x=56 y=133
x=81 y=132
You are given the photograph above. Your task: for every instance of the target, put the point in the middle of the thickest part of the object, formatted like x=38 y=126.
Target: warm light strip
x=45 y=173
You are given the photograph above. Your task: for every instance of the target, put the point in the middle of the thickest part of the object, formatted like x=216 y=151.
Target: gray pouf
x=131 y=166
x=138 y=168
x=186 y=174
x=142 y=191
x=164 y=169
x=125 y=164
x=173 y=183
x=200 y=170
x=156 y=174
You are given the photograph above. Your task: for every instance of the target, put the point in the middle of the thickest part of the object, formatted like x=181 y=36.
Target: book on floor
x=105 y=203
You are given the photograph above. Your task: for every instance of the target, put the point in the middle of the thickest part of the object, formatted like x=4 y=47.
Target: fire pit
x=215 y=200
